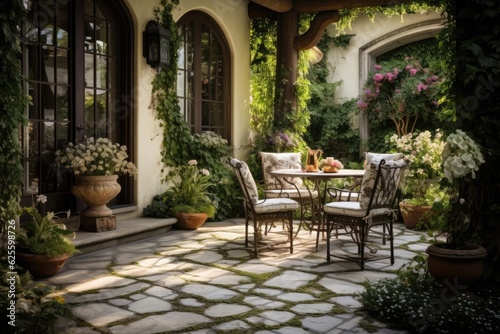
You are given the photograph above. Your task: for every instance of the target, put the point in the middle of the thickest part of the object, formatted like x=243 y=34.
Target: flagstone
x=263 y=303
x=290 y=279
x=209 y=292
x=312 y=308
x=171 y=321
x=323 y=324
x=223 y=310
x=100 y=314
x=150 y=305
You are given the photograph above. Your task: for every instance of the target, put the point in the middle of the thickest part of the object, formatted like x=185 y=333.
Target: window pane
x=89 y=70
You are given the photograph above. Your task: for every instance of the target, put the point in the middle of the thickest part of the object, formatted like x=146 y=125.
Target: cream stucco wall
x=232 y=17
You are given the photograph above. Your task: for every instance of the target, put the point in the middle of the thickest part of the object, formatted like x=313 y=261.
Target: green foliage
x=331 y=127
x=283 y=134
x=39 y=234
x=179 y=145
x=414 y=300
x=473 y=44
x=12 y=103
x=159 y=208
x=189 y=189
x=35 y=310
x=426 y=53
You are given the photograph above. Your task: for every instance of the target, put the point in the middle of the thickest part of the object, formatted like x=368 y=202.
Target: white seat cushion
x=352 y=209
x=275 y=205
x=345 y=208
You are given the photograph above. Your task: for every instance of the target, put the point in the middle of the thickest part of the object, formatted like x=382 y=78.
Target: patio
x=206 y=281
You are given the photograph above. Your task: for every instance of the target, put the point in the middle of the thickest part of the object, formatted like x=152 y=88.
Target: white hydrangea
x=461 y=156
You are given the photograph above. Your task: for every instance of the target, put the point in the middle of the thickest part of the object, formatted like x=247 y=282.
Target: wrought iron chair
x=262 y=212
x=375 y=208
x=290 y=188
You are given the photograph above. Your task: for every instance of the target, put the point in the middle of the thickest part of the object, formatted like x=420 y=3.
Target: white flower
x=205 y=172
x=41 y=199
x=192 y=162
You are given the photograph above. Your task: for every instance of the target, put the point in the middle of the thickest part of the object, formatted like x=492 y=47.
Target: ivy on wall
x=179 y=145
x=12 y=103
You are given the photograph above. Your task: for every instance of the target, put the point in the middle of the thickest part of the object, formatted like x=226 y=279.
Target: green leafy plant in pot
x=189 y=194
x=43 y=246
x=422 y=189
x=458 y=259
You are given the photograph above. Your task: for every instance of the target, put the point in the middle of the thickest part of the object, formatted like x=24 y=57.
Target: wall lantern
x=155 y=45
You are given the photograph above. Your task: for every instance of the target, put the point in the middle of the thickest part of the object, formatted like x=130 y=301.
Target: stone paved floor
x=206 y=281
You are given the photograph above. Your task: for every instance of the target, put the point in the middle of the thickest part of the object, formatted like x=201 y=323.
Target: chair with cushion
x=375 y=208
x=293 y=188
x=262 y=212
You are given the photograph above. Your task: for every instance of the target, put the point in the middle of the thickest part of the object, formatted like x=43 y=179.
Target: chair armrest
x=343 y=195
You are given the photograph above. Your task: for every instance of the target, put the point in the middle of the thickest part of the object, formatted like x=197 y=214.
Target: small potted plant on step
x=190 y=200
x=43 y=246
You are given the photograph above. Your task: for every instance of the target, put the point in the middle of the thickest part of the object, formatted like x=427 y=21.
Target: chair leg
x=255 y=237
x=391 y=240
x=290 y=233
x=326 y=223
x=362 y=244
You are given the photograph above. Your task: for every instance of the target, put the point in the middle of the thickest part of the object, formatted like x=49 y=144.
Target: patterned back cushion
x=246 y=180
x=273 y=161
x=372 y=160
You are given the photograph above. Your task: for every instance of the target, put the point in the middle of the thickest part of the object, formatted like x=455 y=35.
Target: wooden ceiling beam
x=280 y=6
x=256 y=11
x=311 y=6
x=318 y=25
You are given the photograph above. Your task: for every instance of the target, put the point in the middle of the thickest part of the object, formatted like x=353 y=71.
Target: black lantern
x=156 y=45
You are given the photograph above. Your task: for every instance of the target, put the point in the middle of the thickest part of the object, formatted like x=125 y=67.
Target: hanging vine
x=12 y=103
x=178 y=144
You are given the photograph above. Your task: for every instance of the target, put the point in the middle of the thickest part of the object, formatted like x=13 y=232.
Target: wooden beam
x=312 y=36
x=279 y=6
x=310 y=6
x=256 y=11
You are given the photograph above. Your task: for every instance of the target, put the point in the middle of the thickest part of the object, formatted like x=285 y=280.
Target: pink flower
x=421 y=87
x=413 y=71
x=378 y=77
x=378 y=67
x=362 y=104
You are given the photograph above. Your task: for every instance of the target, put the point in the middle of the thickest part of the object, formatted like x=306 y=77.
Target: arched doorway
x=369 y=52
x=77 y=56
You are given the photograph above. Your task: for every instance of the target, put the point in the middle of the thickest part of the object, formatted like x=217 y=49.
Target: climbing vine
x=179 y=145
x=12 y=103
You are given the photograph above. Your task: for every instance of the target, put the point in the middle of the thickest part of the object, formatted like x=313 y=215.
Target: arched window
x=77 y=56
x=203 y=82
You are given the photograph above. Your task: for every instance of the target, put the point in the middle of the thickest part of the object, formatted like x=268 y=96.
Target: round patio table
x=317 y=178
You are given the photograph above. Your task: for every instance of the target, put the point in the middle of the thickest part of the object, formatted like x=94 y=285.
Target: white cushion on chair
x=345 y=208
x=352 y=209
x=372 y=161
x=248 y=179
x=276 y=204
x=286 y=160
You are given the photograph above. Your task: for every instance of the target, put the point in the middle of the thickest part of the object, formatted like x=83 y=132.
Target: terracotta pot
x=190 y=221
x=96 y=191
x=466 y=265
x=412 y=214
x=41 y=265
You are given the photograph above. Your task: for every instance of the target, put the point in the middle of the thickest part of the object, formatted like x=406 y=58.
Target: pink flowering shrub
x=401 y=91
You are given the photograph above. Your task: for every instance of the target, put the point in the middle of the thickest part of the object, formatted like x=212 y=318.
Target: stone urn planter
x=96 y=191
x=41 y=265
x=465 y=265
x=412 y=213
x=190 y=221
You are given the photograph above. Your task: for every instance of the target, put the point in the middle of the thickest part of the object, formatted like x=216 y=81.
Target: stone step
x=127 y=230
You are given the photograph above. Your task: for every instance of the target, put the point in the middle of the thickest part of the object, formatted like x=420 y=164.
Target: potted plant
x=42 y=244
x=457 y=258
x=190 y=200
x=422 y=189
x=96 y=165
